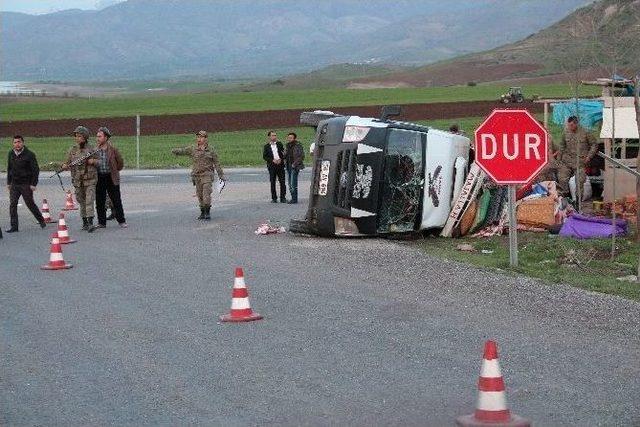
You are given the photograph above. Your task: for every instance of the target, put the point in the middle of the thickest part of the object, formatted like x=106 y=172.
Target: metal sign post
x=138 y=141
x=513 y=228
x=512 y=148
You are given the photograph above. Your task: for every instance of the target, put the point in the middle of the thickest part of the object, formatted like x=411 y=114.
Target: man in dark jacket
x=109 y=165
x=273 y=154
x=294 y=158
x=22 y=179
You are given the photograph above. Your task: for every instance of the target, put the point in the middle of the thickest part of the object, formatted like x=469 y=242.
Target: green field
x=242 y=148
x=234 y=148
x=44 y=109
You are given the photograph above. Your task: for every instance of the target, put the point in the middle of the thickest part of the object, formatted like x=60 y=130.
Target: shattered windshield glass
x=403 y=182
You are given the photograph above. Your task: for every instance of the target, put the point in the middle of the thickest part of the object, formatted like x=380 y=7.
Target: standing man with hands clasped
x=273 y=154
x=22 y=179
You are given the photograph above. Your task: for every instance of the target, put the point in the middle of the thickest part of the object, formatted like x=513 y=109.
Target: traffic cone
x=240 y=307
x=63 y=231
x=69 y=205
x=56 y=262
x=45 y=212
x=491 y=409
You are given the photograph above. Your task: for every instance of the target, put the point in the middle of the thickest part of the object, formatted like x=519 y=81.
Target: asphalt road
x=356 y=332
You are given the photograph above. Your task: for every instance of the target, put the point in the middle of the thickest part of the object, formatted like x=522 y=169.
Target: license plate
x=323 y=183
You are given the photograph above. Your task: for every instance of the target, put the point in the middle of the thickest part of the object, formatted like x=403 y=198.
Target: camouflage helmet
x=105 y=130
x=82 y=131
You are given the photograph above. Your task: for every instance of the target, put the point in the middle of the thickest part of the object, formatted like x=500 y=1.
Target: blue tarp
x=589 y=112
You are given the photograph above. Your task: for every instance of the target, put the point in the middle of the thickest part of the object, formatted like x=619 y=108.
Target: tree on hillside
x=576 y=62
x=636 y=103
x=614 y=52
x=576 y=59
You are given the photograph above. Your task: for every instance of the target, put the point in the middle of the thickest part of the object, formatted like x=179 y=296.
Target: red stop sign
x=511 y=146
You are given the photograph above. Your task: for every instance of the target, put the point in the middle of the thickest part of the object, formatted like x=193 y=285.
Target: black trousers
x=103 y=186
x=23 y=190
x=277 y=171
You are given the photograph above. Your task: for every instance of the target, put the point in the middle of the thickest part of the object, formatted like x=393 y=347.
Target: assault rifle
x=80 y=160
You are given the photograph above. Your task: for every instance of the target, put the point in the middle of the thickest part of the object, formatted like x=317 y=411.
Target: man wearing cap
x=22 y=179
x=84 y=175
x=109 y=165
x=577 y=148
x=205 y=164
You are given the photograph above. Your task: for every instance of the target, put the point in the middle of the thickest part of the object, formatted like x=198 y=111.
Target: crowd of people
x=284 y=163
x=95 y=171
x=95 y=175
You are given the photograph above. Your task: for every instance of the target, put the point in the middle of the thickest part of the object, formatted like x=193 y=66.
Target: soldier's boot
x=207 y=212
x=201 y=213
x=89 y=223
x=85 y=223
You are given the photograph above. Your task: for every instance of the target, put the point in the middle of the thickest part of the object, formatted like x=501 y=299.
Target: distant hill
x=154 y=39
x=547 y=55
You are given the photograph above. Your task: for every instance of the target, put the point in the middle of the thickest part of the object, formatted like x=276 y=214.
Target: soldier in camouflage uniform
x=83 y=176
x=205 y=162
x=575 y=141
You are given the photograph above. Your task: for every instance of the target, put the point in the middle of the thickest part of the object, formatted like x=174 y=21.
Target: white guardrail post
x=138 y=141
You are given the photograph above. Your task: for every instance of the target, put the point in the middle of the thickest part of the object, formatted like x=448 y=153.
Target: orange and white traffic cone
x=240 y=307
x=45 y=212
x=63 y=231
x=491 y=409
x=56 y=261
x=69 y=205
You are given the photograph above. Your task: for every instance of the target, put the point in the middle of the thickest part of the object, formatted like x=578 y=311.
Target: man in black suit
x=273 y=154
x=22 y=179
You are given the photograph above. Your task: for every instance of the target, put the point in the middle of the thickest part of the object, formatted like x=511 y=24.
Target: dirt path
x=245 y=120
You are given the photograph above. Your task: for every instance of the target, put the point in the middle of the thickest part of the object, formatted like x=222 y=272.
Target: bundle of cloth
x=269 y=229
x=585 y=227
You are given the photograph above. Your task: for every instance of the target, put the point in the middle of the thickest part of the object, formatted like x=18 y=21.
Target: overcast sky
x=46 y=6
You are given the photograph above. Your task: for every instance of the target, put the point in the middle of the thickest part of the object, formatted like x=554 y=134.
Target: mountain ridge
x=144 y=39
x=576 y=43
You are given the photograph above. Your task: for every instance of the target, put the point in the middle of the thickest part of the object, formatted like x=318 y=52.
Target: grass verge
x=585 y=264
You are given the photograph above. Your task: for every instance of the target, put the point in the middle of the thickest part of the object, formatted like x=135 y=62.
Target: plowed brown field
x=245 y=120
